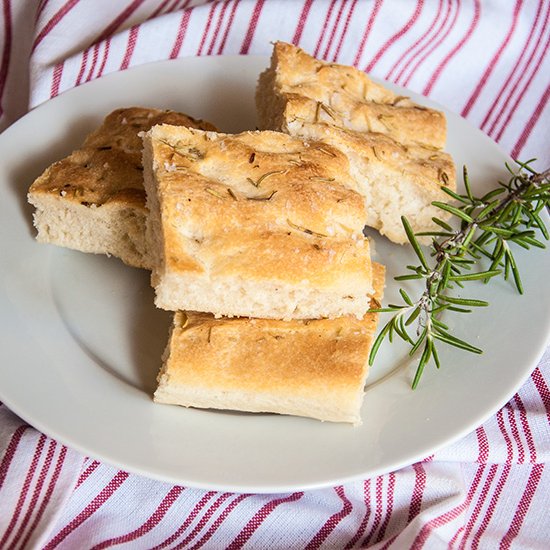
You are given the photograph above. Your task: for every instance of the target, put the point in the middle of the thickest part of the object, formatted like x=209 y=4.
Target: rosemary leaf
x=415 y=244
x=459 y=309
x=378 y=341
x=413 y=316
x=419 y=341
x=442 y=224
x=465 y=301
x=492 y=195
x=408 y=277
x=453 y=210
x=453 y=341
x=405 y=297
x=515 y=271
x=475 y=276
x=466 y=181
x=424 y=358
x=454 y=195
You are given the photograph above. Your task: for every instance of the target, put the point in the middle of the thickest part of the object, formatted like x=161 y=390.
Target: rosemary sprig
x=488 y=228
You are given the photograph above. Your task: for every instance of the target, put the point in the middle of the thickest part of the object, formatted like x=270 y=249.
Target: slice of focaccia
x=314 y=368
x=93 y=200
x=258 y=224
x=393 y=144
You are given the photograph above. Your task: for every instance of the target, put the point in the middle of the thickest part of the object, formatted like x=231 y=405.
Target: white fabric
x=488 y=61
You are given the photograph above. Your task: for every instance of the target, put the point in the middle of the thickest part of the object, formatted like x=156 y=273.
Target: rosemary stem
x=488 y=226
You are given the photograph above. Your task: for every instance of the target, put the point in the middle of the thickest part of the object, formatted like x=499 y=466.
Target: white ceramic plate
x=81 y=340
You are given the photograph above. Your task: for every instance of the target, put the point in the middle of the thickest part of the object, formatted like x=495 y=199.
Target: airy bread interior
x=116 y=229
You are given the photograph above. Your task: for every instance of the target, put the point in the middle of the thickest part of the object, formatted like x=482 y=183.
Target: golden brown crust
x=393 y=145
x=430 y=169
x=277 y=364
x=107 y=168
x=316 y=91
x=261 y=206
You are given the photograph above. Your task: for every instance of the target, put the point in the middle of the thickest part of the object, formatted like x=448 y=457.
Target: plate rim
x=497 y=405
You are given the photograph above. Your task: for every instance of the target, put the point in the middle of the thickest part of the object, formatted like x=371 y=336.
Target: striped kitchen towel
x=488 y=61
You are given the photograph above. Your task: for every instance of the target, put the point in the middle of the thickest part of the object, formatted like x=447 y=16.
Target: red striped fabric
x=525 y=428
x=258 y=518
x=204 y=520
x=352 y=542
x=388 y=44
x=87 y=471
x=207 y=28
x=418 y=491
x=470 y=30
x=349 y=15
x=223 y=42
x=41 y=6
x=538 y=54
x=402 y=58
x=55 y=19
x=332 y=521
x=442 y=33
x=522 y=507
x=130 y=47
x=103 y=496
x=249 y=33
x=6 y=53
x=188 y=520
x=495 y=59
x=302 y=21
x=531 y=123
x=9 y=452
x=488 y=61
x=46 y=498
x=515 y=76
x=217 y=29
x=23 y=493
x=119 y=20
x=160 y=8
x=181 y=34
x=388 y=503
x=151 y=522
x=33 y=501
x=237 y=499
x=323 y=32
x=332 y=33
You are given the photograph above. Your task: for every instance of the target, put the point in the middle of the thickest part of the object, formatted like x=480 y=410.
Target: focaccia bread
x=395 y=180
x=394 y=145
x=93 y=200
x=301 y=86
x=258 y=224
x=314 y=368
